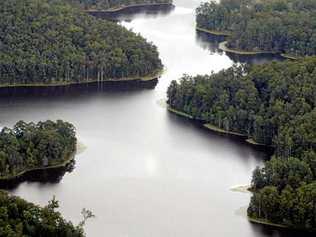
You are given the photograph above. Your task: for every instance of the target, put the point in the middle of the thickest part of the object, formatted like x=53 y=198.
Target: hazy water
x=145 y=172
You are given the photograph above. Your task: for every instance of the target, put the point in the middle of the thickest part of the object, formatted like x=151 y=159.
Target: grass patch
x=153 y=76
x=288 y=56
x=253 y=142
x=180 y=113
x=219 y=130
x=223 y=46
x=267 y=223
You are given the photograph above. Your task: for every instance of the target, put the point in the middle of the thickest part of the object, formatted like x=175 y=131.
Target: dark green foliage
x=19 y=218
x=287 y=26
x=226 y=99
x=28 y=146
x=106 y=4
x=291 y=207
x=274 y=104
x=282 y=172
x=52 y=42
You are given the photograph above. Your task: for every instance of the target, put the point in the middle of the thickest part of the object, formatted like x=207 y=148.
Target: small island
x=54 y=43
x=28 y=147
x=261 y=27
x=269 y=105
x=21 y=218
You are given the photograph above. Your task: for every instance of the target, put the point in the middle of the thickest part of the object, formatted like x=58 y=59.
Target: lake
x=142 y=171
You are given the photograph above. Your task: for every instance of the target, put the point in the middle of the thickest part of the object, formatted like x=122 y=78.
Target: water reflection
x=78 y=89
x=236 y=144
x=257 y=59
x=211 y=43
x=49 y=176
x=129 y=14
x=278 y=232
x=147 y=172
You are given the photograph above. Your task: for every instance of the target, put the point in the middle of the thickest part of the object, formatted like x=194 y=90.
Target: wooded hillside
x=52 y=42
x=285 y=26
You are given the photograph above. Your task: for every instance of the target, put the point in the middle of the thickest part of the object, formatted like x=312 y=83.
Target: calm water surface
x=145 y=172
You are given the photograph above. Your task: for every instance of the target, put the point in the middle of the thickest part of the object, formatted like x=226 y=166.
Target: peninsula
x=273 y=105
x=256 y=27
x=28 y=147
x=55 y=43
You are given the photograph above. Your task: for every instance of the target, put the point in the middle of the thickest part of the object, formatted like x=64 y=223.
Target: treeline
x=273 y=104
x=286 y=26
x=53 y=42
x=107 y=4
x=285 y=192
x=28 y=146
x=19 y=218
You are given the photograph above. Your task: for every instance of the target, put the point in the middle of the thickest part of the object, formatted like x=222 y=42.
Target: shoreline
x=247 y=189
x=267 y=223
x=148 y=78
x=223 y=46
x=254 y=143
x=212 y=32
x=206 y=125
x=245 y=138
x=180 y=113
x=222 y=131
x=122 y=8
x=271 y=224
x=29 y=170
x=243 y=188
x=287 y=56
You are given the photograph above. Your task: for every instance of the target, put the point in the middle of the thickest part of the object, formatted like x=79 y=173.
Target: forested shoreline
x=112 y=5
x=273 y=104
x=51 y=42
x=254 y=26
x=20 y=218
x=54 y=42
x=30 y=146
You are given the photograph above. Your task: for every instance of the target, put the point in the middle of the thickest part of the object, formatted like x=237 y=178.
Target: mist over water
x=146 y=172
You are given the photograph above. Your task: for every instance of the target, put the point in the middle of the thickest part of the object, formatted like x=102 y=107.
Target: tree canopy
x=28 y=146
x=19 y=218
x=286 y=26
x=53 y=42
x=273 y=104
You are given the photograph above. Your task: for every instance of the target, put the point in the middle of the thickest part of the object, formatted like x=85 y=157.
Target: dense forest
x=19 y=218
x=112 y=4
x=285 y=26
x=28 y=146
x=53 y=42
x=273 y=104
